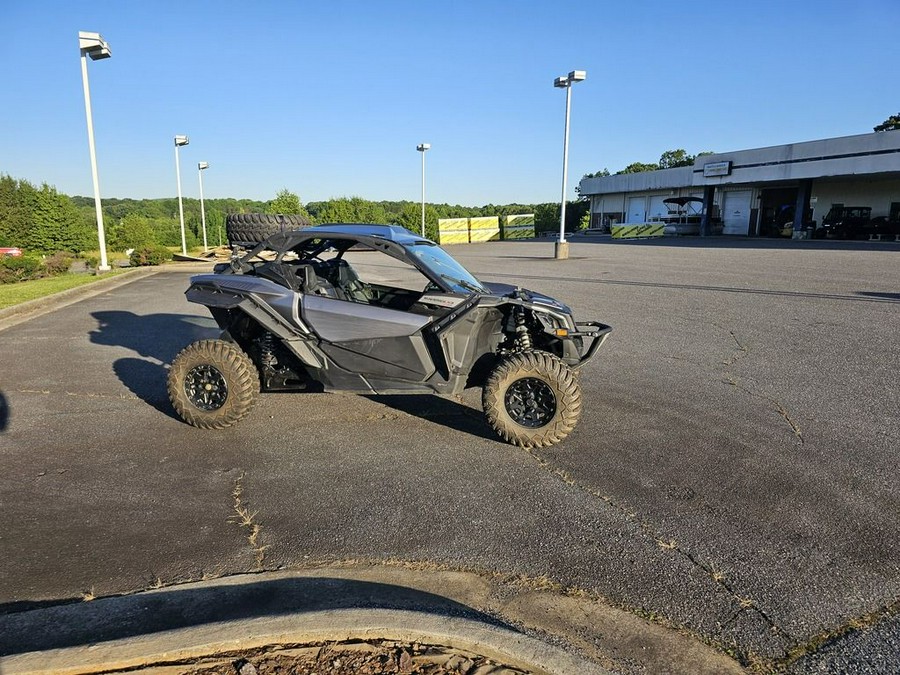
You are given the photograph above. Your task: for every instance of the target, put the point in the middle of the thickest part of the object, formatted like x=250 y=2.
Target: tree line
x=43 y=220
x=670 y=159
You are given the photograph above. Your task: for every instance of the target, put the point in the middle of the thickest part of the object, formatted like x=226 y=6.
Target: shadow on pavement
x=4 y=412
x=147 y=381
x=441 y=411
x=882 y=296
x=157 y=338
x=85 y=623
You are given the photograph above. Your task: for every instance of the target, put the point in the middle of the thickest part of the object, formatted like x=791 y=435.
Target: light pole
x=423 y=148
x=93 y=45
x=200 y=167
x=565 y=82
x=179 y=141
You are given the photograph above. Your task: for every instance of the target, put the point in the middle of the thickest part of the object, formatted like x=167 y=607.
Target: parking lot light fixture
x=565 y=82
x=179 y=141
x=200 y=167
x=423 y=148
x=93 y=45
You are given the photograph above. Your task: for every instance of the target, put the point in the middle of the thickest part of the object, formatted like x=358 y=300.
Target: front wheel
x=212 y=384
x=532 y=399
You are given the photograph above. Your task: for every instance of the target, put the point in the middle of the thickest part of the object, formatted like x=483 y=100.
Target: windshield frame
x=443 y=268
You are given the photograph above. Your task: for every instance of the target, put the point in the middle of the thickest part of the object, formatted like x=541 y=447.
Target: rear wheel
x=532 y=399
x=212 y=384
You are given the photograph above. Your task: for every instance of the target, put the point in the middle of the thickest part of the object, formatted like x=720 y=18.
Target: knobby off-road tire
x=532 y=399
x=212 y=384
x=246 y=229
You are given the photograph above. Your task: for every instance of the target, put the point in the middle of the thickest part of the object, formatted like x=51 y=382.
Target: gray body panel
x=370 y=340
x=342 y=321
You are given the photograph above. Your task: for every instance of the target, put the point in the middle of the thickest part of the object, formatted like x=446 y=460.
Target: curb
x=513 y=623
x=16 y=314
x=185 y=646
x=178 y=625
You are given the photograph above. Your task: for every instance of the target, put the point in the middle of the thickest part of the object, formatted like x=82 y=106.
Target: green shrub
x=169 y=234
x=135 y=232
x=58 y=263
x=150 y=255
x=13 y=270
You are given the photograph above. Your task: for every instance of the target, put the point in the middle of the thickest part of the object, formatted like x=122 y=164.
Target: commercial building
x=750 y=192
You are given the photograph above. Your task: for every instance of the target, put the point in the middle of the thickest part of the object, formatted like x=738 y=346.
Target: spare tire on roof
x=249 y=229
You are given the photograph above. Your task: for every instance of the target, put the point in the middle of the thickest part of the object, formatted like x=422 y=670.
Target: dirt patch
x=357 y=658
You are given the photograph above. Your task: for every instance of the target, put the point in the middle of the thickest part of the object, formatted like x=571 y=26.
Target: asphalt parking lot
x=733 y=475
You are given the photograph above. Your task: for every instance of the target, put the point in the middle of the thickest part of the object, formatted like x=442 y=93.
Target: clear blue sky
x=330 y=99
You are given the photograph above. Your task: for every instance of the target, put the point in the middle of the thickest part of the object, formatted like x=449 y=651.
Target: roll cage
x=309 y=244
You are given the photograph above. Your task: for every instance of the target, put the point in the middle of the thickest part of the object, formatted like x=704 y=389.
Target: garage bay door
x=635 y=210
x=736 y=212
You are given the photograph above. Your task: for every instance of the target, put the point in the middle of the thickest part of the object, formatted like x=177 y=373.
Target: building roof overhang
x=849 y=156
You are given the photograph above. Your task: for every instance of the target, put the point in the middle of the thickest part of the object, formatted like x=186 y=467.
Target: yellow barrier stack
x=519 y=227
x=453 y=231
x=639 y=231
x=484 y=229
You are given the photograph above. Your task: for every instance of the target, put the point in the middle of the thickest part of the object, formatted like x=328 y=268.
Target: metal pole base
x=561 y=250
x=103 y=268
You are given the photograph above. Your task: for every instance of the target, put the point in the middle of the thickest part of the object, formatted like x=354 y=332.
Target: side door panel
x=370 y=340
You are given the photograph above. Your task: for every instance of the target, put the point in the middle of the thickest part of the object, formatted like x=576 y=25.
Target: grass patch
x=15 y=294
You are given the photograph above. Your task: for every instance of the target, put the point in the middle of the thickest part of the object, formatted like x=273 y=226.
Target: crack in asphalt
x=745 y=604
x=246 y=520
x=779 y=407
x=822 y=640
x=649 y=530
x=742 y=351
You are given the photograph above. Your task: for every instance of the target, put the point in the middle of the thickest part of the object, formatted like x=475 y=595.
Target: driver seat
x=348 y=283
x=313 y=284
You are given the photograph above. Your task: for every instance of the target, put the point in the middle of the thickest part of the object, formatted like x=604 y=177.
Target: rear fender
x=275 y=312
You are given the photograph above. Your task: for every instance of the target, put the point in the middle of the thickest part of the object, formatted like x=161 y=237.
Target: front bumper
x=593 y=334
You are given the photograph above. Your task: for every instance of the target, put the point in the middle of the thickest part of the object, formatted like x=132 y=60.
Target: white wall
x=875 y=193
x=862 y=155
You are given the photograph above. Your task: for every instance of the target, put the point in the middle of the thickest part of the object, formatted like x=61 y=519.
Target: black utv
x=404 y=317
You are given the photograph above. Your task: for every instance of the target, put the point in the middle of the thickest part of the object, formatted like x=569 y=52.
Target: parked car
x=296 y=315
x=10 y=252
x=846 y=222
x=884 y=226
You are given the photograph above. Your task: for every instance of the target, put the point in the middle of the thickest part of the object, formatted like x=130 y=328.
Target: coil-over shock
x=522 y=341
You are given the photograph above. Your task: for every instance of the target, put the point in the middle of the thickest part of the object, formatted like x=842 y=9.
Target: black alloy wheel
x=530 y=402
x=205 y=387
